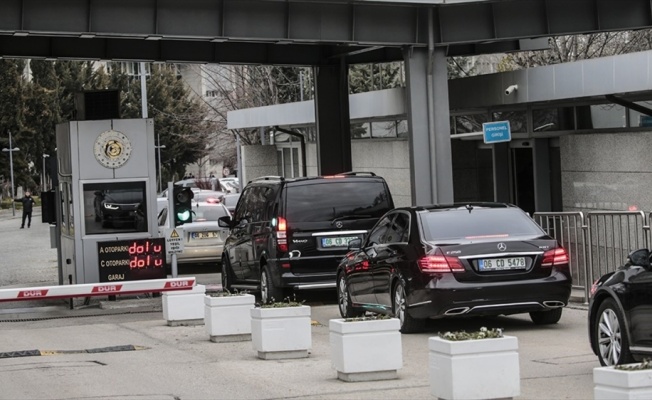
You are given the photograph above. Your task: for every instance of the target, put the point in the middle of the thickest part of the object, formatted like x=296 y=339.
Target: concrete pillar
x=429 y=126
x=332 y=119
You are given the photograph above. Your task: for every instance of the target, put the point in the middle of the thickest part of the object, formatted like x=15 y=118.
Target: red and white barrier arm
x=97 y=289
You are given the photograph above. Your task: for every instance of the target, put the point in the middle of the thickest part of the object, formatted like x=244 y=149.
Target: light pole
x=11 y=170
x=44 y=178
x=158 y=148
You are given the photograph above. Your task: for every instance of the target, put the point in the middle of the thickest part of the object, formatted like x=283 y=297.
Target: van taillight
x=440 y=263
x=281 y=235
x=557 y=256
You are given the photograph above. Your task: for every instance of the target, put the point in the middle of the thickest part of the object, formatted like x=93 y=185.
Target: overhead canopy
x=305 y=32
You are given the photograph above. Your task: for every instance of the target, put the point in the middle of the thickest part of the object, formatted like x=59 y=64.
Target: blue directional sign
x=496 y=132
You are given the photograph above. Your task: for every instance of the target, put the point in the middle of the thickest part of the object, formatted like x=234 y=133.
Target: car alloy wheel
x=408 y=324
x=399 y=303
x=344 y=300
x=342 y=296
x=613 y=346
x=226 y=282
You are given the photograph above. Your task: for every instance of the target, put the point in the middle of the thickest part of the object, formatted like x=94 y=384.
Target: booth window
x=116 y=207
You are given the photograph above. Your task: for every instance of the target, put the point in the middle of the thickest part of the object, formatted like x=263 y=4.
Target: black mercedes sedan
x=458 y=260
x=620 y=312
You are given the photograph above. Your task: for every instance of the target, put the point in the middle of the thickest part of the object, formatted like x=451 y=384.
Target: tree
x=237 y=87
x=12 y=119
x=179 y=118
x=49 y=99
x=370 y=77
x=580 y=47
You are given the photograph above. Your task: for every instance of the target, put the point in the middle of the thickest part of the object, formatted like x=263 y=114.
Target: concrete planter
x=227 y=318
x=474 y=369
x=367 y=350
x=610 y=383
x=184 y=307
x=284 y=332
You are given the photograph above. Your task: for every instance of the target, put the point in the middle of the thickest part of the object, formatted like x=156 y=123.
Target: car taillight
x=281 y=235
x=556 y=256
x=594 y=287
x=440 y=263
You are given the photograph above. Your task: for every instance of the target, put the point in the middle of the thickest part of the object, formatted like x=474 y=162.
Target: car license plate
x=203 y=235
x=501 y=264
x=337 y=241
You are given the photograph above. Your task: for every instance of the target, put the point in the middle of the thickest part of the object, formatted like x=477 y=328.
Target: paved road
x=181 y=363
x=26 y=258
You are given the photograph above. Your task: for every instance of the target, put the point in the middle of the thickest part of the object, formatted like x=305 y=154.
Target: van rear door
x=322 y=216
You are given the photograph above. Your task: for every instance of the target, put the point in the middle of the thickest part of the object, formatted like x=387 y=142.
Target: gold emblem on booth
x=112 y=149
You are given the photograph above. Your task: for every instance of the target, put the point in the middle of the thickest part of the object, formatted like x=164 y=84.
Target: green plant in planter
x=367 y=318
x=226 y=293
x=483 y=333
x=287 y=302
x=645 y=364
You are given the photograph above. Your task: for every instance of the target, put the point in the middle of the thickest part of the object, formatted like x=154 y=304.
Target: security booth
x=107 y=194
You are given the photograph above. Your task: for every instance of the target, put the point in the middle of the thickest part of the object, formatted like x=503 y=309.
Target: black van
x=290 y=233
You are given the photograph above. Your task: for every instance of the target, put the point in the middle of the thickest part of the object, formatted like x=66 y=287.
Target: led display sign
x=131 y=260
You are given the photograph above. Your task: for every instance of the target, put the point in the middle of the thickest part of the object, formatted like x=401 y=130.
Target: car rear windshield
x=346 y=199
x=208 y=213
x=480 y=223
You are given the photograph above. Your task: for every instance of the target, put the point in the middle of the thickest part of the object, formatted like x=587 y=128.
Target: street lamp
x=11 y=170
x=158 y=148
x=44 y=178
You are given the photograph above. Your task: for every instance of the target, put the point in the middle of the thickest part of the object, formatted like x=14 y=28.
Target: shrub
x=483 y=333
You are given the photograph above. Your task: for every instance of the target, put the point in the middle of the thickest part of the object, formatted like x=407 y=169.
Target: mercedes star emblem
x=339 y=224
x=502 y=246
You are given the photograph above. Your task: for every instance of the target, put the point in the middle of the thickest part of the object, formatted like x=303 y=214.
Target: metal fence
x=597 y=242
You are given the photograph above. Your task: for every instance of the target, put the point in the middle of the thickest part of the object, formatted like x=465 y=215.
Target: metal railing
x=597 y=242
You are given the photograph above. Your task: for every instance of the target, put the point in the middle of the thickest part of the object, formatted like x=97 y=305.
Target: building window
x=545 y=119
x=468 y=123
x=637 y=119
x=385 y=129
x=608 y=116
x=360 y=130
x=517 y=120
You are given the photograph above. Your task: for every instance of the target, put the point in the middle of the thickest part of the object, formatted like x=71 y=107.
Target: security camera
x=510 y=89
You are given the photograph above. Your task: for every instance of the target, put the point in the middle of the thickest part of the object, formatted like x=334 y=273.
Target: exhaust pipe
x=554 y=304
x=457 y=311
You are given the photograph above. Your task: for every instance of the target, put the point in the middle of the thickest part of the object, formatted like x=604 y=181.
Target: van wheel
x=269 y=293
x=344 y=300
x=408 y=323
x=227 y=277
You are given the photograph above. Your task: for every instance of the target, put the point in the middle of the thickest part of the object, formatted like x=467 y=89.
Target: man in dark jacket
x=28 y=203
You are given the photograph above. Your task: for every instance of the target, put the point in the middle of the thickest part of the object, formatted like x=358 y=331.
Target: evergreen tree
x=179 y=119
x=12 y=119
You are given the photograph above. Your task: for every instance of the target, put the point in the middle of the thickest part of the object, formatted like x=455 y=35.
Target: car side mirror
x=640 y=257
x=224 y=222
x=355 y=244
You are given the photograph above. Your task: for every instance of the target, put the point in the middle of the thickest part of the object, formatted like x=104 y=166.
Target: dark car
x=291 y=233
x=118 y=208
x=620 y=312
x=420 y=263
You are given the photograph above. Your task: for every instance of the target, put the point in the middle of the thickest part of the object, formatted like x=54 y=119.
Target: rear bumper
x=449 y=298
x=199 y=255
x=307 y=273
